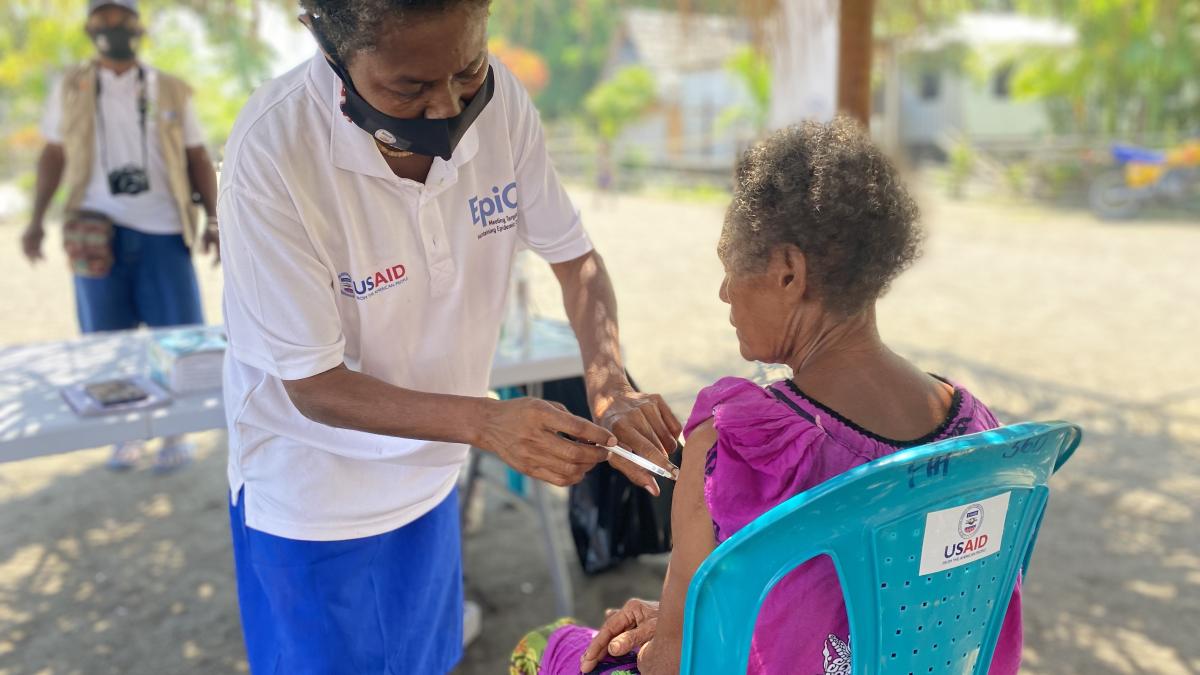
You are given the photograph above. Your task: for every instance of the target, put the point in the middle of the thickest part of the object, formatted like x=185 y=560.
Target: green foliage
x=1016 y=177
x=753 y=71
x=962 y=161
x=634 y=159
x=620 y=100
x=1133 y=70
x=212 y=44
x=901 y=18
x=35 y=40
x=572 y=35
x=1061 y=180
x=222 y=80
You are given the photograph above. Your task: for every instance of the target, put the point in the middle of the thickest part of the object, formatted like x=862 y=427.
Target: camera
x=128 y=180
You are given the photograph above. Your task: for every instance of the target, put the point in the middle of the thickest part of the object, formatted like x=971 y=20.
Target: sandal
x=125 y=455
x=174 y=455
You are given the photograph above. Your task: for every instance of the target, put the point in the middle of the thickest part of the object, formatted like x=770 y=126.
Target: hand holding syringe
x=670 y=473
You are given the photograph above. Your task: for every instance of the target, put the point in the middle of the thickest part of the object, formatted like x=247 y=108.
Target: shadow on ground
x=131 y=574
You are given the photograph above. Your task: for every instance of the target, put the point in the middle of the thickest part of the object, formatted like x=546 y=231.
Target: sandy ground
x=1044 y=314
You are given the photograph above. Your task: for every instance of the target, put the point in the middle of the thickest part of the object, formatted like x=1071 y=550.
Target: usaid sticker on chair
x=963 y=534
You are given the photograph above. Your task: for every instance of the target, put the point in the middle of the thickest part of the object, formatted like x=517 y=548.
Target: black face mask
x=433 y=138
x=116 y=43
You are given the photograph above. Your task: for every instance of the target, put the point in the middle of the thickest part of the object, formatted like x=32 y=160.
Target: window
x=1002 y=82
x=931 y=85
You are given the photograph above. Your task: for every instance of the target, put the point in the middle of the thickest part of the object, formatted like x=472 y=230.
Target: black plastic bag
x=611 y=519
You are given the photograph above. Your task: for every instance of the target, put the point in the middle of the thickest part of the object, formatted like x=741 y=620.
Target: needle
x=646 y=464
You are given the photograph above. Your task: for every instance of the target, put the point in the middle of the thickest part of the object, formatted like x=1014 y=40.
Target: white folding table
x=36 y=421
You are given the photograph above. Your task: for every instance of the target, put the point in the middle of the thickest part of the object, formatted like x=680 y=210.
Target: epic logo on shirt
x=495 y=213
x=376 y=282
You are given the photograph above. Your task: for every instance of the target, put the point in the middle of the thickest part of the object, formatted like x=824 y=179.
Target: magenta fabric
x=566 y=646
x=766 y=453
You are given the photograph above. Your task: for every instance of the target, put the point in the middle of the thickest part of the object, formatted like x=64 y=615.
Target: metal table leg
x=564 y=598
x=560 y=576
x=474 y=458
x=536 y=497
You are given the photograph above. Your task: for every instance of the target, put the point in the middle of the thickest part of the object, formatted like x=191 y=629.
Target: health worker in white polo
x=371 y=204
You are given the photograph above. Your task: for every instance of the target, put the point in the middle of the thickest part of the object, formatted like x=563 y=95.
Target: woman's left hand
x=642 y=423
x=624 y=630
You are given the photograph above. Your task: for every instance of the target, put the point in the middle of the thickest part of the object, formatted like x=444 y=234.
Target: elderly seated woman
x=819 y=227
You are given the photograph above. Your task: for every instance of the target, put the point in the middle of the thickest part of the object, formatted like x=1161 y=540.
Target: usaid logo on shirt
x=376 y=282
x=496 y=212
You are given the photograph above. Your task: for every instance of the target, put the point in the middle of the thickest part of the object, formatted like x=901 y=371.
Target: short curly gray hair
x=825 y=188
x=352 y=26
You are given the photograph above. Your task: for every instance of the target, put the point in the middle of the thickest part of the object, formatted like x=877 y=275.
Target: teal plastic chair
x=873 y=522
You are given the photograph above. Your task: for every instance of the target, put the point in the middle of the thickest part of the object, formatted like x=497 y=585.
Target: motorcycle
x=1143 y=175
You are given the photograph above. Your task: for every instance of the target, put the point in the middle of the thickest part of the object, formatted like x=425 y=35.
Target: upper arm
x=53 y=152
x=691 y=532
x=197 y=156
x=305 y=392
x=281 y=311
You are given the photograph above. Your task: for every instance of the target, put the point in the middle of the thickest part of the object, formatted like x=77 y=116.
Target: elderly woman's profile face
x=763 y=308
x=424 y=64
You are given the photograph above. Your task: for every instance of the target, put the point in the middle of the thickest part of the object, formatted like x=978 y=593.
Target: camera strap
x=143 y=106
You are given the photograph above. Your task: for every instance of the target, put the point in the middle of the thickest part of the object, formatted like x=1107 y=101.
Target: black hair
x=351 y=26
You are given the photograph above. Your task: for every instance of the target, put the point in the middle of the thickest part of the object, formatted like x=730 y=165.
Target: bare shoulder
x=689 y=492
x=700 y=440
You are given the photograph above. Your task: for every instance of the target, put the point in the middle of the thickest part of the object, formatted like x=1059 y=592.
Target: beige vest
x=79 y=139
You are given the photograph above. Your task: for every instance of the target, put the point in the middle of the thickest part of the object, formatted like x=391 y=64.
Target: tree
x=623 y=98
x=34 y=41
x=1133 y=69
x=855 y=42
x=753 y=71
x=525 y=64
x=573 y=36
x=38 y=38
x=613 y=105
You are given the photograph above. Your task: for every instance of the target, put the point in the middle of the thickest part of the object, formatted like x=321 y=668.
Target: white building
x=956 y=81
x=687 y=57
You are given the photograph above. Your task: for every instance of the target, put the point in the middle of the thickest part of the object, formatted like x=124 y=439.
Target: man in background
x=124 y=139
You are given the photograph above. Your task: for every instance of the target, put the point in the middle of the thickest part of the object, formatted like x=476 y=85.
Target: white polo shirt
x=331 y=258
x=153 y=211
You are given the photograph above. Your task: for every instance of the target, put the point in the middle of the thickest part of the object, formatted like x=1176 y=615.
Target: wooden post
x=855 y=37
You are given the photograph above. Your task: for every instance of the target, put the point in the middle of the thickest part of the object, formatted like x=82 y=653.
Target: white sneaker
x=472 y=622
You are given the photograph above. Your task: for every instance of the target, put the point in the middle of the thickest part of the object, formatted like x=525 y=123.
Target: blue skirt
x=386 y=604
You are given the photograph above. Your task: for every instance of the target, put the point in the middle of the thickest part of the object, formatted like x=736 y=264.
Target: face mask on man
x=118 y=43
x=433 y=138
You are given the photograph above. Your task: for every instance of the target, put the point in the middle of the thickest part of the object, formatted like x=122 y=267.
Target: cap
x=130 y=5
